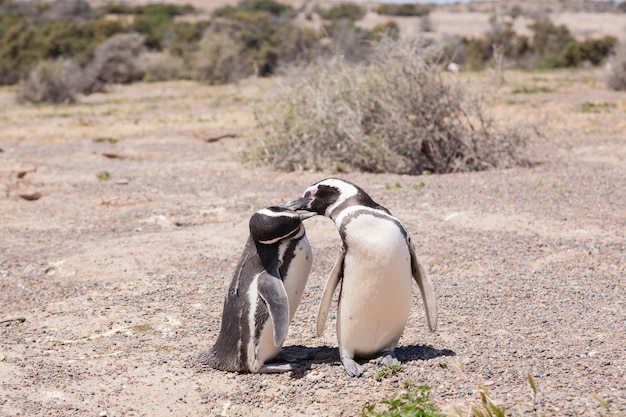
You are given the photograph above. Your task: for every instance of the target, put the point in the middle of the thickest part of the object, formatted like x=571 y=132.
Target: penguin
x=376 y=267
x=263 y=295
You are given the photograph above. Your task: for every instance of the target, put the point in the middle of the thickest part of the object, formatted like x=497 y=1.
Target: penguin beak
x=307 y=215
x=302 y=203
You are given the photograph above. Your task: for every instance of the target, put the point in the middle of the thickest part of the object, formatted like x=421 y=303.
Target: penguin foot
x=387 y=358
x=352 y=368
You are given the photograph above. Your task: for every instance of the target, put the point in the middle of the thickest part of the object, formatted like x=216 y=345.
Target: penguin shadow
x=420 y=352
x=310 y=357
x=307 y=358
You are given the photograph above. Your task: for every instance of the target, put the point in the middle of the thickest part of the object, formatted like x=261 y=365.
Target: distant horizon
x=452 y=1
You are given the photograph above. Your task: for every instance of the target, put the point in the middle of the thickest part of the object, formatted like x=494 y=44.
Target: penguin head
x=323 y=197
x=273 y=224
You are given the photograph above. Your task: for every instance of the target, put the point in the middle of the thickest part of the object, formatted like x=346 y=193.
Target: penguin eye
x=310 y=193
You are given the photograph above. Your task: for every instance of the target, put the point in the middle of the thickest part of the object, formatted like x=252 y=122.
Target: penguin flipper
x=335 y=276
x=273 y=293
x=426 y=288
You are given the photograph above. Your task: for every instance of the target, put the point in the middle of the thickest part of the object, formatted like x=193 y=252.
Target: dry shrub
x=396 y=115
x=70 y=11
x=218 y=59
x=117 y=59
x=160 y=66
x=51 y=81
x=617 y=69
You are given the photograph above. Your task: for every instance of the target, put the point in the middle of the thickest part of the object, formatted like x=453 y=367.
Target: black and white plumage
x=263 y=295
x=376 y=268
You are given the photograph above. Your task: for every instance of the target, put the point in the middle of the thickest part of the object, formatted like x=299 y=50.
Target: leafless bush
x=617 y=69
x=426 y=24
x=160 y=66
x=218 y=60
x=52 y=82
x=348 y=41
x=117 y=59
x=69 y=10
x=397 y=115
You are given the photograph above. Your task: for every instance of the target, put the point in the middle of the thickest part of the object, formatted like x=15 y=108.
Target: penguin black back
x=257 y=294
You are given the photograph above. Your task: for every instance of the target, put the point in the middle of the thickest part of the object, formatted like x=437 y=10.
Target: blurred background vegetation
x=121 y=42
x=411 y=118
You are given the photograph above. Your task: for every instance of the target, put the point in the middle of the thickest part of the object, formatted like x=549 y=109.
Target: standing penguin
x=264 y=294
x=376 y=266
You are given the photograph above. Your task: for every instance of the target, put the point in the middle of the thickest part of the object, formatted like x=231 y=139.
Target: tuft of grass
x=514 y=102
x=488 y=407
x=532 y=90
x=141 y=327
x=103 y=175
x=396 y=115
x=391 y=187
x=389 y=370
x=104 y=139
x=415 y=401
x=590 y=107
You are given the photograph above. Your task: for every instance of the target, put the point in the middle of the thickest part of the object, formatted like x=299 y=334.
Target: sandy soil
x=109 y=288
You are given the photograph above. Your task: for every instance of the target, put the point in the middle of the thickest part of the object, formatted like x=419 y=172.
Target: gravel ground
x=107 y=290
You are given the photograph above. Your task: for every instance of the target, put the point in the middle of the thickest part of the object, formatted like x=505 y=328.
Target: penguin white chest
x=297 y=268
x=297 y=272
x=376 y=294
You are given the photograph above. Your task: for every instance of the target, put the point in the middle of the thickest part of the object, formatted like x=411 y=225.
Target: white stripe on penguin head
x=276 y=214
x=272 y=213
x=346 y=190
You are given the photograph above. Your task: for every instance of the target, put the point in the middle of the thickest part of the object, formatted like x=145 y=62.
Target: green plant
x=404 y=9
x=548 y=38
x=270 y=6
x=183 y=40
x=590 y=107
x=534 y=388
x=24 y=43
x=155 y=21
x=392 y=368
x=263 y=41
x=104 y=139
x=593 y=51
x=557 y=47
x=349 y=11
x=103 y=175
x=414 y=402
x=489 y=408
x=499 y=41
x=531 y=90
x=605 y=405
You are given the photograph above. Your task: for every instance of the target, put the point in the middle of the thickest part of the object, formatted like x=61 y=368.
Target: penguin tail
x=212 y=359
x=206 y=358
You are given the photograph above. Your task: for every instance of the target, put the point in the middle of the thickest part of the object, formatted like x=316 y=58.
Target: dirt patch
x=109 y=288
